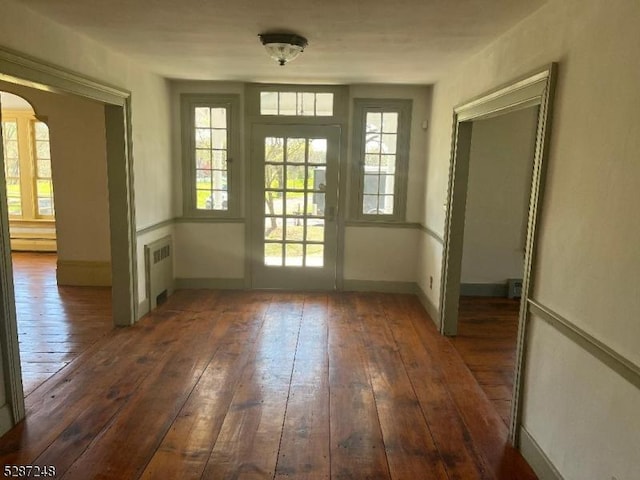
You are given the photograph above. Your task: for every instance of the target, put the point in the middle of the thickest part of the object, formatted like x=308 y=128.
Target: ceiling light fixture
x=283 y=47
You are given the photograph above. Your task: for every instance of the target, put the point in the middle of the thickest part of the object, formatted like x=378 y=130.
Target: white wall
x=588 y=260
x=495 y=226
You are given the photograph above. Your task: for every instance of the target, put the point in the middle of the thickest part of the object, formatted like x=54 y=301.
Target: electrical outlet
x=430 y=283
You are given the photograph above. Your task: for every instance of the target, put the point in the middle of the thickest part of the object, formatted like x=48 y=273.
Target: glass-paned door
x=295 y=176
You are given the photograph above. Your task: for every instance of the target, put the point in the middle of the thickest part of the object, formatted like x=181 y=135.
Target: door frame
x=340 y=119
x=536 y=89
x=21 y=69
x=257 y=189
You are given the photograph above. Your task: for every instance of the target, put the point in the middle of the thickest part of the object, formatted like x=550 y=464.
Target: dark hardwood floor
x=486 y=341
x=221 y=384
x=55 y=324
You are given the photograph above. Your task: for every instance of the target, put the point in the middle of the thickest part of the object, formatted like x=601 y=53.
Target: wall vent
x=159 y=270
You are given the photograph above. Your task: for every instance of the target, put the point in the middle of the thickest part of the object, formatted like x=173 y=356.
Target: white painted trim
x=537 y=459
x=83 y=273
x=16 y=67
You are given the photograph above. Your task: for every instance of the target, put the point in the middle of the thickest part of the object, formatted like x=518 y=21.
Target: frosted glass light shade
x=283 y=47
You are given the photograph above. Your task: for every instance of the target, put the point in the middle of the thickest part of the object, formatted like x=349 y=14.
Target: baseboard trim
x=379 y=286
x=211 y=283
x=33 y=244
x=428 y=305
x=143 y=308
x=483 y=289
x=537 y=459
x=79 y=273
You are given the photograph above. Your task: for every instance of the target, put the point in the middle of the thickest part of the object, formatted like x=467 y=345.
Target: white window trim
x=362 y=106
x=188 y=104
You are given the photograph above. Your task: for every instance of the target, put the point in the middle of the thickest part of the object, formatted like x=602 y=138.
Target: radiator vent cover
x=159 y=270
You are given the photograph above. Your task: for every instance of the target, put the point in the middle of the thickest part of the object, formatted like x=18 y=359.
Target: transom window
x=210 y=132
x=306 y=104
x=27 y=158
x=381 y=149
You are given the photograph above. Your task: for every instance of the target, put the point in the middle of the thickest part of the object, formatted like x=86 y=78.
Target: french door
x=294 y=202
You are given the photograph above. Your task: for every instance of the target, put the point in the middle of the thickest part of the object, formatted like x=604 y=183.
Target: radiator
x=159 y=270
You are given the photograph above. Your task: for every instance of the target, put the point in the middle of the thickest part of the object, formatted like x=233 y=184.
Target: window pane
x=44 y=168
x=389 y=143
x=316 y=178
x=294 y=229
x=219 y=139
x=219 y=179
x=287 y=103
x=42 y=149
x=372 y=160
x=293 y=254
x=273 y=254
x=296 y=150
x=220 y=159
x=273 y=149
x=386 y=204
x=11 y=150
x=219 y=118
x=203 y=118
x=315 y=204
x=12 y=167
x=269 y=103
x=390 y=122
x=369 y=204
x=387 y=183
x=372 y=143
x=273 y=203
x=203 y=138
x=388 y=163
x=371 y=184
x=203 y=179
x=374 y=122
x=295 y=177
x=273 y=176
x=294 y=203
x=315 y=230
x=306 y=104
x=203 y=159
x=314 y=256
x=318 y=151
x=324 y=104
x=273 y=228
x=10 y=130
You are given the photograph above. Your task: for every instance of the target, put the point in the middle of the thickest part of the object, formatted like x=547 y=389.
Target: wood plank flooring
x=55 y=324
x=486 y=341
x=263 y=385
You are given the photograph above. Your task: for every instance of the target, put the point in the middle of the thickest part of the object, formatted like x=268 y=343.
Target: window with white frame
x=210 y=129
x=305 y=104
x=381 y=157
x=27 y=160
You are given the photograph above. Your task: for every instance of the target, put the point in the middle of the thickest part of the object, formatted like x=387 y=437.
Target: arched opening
x=28 y=176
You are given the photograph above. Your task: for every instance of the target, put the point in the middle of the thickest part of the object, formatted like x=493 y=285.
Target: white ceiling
x=350 y=41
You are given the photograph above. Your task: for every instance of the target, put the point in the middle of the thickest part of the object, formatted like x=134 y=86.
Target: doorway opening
x=495 y=229
x=535 y=90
